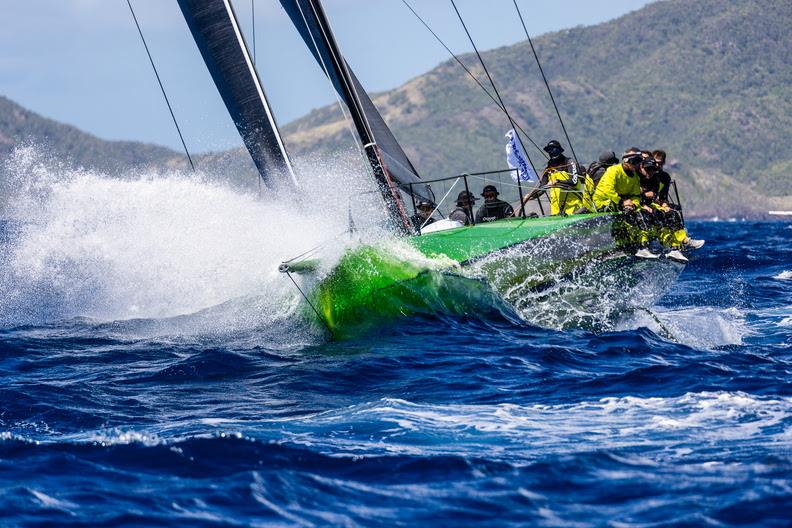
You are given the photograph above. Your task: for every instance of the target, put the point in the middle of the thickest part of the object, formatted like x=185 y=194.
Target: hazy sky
x=82 y=62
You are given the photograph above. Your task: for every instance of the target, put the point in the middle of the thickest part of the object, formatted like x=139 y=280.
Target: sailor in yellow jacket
x=619 y=189
x=563 y=178
x=620 y=186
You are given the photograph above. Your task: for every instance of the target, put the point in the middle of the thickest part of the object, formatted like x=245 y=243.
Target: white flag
x=516 y=158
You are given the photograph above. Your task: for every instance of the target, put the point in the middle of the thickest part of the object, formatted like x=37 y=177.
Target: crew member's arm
x=537 y=191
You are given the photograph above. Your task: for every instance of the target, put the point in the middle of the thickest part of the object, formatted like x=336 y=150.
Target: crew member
x=564 y=178
x=464 y=209
x=423 y=214
x=493 y=208
x=672 y=209
x=663 y=222
x=619 y=189
x=593 y=175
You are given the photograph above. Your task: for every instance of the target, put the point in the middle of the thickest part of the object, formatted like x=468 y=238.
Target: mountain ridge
x=709 y=82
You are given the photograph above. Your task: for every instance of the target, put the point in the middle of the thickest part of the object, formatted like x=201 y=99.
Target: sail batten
x=216 y=31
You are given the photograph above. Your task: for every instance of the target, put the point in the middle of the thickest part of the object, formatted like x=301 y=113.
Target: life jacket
x=596 y=170
x=665 y=184
x=462 y=214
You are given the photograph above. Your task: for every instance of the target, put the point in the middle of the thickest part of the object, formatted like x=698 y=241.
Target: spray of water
x=152 y=245
x=203 y=255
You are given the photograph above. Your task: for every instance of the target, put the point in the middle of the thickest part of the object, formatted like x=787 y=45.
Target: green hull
x=470 y=269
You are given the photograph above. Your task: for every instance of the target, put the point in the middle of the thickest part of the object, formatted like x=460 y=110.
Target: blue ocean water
x=236 y=415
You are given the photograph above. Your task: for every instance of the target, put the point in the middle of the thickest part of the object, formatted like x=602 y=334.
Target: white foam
x=699 y=327
x=784 y=276
x=155 y=245
x=119 y=437
x=404 y=427
x=51 y=502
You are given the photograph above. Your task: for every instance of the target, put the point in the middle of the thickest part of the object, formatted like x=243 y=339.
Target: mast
x=216 y=31
x=309 y=18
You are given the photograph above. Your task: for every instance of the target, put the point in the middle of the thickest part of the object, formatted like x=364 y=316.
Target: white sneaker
x=693 y=243
x=677 y=255
x=646 y=254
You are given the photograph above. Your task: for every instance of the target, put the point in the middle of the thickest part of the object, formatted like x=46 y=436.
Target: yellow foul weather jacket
x=588 y=194
x=565 y=192
x=616 y=186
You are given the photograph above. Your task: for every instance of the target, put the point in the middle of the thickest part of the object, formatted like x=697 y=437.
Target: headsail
x=399 y=165
x=216 y=31
x=391 y=165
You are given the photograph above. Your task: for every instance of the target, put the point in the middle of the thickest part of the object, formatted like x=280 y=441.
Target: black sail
x=396 y=159
x=309 y=19
x=216 y=31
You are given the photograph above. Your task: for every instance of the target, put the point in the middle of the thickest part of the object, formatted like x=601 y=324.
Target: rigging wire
x=162 y=88
x=345 y=78
x=470 y=73
x=347 y=118
x=547 y=84
x=319 y=315
x=492 y=82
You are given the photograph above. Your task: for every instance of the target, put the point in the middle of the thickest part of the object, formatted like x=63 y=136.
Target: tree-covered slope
x=710 y=81
x=707 y=80
x=70 y=145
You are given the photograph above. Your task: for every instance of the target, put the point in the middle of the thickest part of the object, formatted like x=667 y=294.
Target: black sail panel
x=368 y=121
x=216 y=31
x=398 y=163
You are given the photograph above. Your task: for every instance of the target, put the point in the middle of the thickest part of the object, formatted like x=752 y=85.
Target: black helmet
x=608 y=156
x=554 y=144
x=489 y=188
x=465 y=195
x=424 y=203
x=650 y=164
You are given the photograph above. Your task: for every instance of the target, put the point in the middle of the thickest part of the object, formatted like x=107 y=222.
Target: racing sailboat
x=370 y=284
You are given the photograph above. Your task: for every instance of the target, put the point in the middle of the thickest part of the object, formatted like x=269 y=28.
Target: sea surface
x=143 y=389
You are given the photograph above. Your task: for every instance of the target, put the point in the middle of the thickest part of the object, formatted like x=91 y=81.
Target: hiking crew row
x=636 y=186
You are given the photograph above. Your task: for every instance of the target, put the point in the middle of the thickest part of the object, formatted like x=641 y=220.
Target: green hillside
x=19 y=126
x=72 y=147
x=707 y=80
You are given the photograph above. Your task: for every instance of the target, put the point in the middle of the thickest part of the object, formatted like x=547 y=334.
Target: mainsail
x=216 y=31
x=391 y=166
